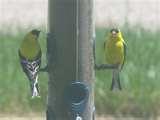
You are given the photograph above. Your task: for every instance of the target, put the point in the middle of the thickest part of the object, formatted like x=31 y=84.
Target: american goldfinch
x=30 y=59
x=115 y=52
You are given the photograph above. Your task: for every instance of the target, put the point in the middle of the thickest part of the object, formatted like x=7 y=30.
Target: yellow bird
x=30 y=59
x=115 y=53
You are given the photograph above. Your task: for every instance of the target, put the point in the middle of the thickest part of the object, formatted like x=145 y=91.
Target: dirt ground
x=42 y=118
x=97 y=118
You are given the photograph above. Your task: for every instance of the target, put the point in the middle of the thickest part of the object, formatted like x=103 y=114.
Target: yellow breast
x=30 y=48
x=114 y=52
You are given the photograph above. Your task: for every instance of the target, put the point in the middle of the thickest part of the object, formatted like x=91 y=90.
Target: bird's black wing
x=125 y=50
x=30 y=67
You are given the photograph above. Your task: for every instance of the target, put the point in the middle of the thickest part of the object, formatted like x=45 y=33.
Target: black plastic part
x=77 y=98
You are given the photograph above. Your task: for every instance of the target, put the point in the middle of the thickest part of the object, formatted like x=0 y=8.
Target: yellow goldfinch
x=30 y=59
x=115 y=52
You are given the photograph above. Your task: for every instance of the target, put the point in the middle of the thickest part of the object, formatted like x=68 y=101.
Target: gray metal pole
x=70 y=59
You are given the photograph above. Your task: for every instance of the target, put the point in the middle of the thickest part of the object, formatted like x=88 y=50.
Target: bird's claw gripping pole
x=44 y=69
x=105 y=66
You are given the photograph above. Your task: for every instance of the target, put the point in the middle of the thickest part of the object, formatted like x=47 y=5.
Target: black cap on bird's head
x=114 y=32
x=35 y=32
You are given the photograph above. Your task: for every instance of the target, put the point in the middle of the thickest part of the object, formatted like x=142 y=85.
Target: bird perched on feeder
x=30 y=59
x=115 y=53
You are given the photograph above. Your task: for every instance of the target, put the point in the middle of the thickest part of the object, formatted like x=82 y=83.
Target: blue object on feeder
x=77 y=97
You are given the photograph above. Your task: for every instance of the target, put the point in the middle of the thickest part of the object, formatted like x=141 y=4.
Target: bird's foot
x=45 y=69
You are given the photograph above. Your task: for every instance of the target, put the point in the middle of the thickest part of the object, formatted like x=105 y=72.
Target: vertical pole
x=63 y=61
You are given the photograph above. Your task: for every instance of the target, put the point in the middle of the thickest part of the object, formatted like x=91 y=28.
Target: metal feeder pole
x=69 y=59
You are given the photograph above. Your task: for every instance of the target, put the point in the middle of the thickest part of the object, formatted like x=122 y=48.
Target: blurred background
x=139 y=23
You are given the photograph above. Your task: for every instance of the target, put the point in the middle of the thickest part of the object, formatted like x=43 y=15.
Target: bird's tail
x=35 y=88
x=116 y=80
